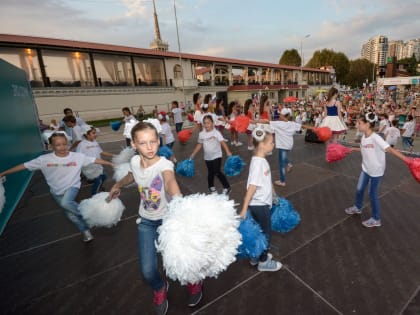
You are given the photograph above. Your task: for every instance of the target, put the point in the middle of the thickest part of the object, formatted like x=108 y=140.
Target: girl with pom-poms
x=90 y=147
x=167 y=137
x=61 y=170
x=333 y=118
x=211 y=140
x=259 y=195
x=155 y=178
x=373 y=148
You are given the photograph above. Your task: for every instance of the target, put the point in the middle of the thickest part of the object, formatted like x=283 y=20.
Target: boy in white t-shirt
x=407 y=133
x=75 y=130
x=167 y=137
x=61 y=170
x=392 y=134
x=177 y=115
x=259 y=195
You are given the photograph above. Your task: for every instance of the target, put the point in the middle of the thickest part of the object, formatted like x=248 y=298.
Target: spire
x=157 y=44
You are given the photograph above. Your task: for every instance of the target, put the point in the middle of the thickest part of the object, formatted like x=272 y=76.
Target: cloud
x=136 y=8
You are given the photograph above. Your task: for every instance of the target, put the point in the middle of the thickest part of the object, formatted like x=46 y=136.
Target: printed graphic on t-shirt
x=151 y=195
x=69 y=164
x=267 y=172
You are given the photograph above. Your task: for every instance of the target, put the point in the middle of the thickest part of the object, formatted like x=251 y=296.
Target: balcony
x=188 y=83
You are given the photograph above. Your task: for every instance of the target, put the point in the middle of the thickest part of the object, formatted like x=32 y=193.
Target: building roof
x=63 y=43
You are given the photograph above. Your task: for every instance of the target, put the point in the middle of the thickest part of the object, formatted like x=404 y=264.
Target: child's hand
x=113 y=194
x=243 y=214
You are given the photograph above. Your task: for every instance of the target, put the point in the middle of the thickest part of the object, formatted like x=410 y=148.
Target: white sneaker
x=238 y=144
x=251 y=147
x=87 y=236
x=269 y=265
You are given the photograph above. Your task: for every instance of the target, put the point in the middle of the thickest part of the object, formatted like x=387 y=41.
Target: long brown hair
x=263 y=100
x=333 y=91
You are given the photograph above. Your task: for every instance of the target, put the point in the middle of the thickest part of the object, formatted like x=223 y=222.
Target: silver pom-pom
x=92 y=171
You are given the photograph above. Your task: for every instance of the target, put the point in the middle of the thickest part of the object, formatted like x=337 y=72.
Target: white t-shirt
x=284 y=132
x=130 y=122
x=409 y=128
x=383 y=125
x=211 y=144
x=177 y=115
x=197 y=116
x=391 y=135
x=166 y=130
x=260 y=176
x=91 y=148
x=61 y=173
x=373 y=154
x=153 y=199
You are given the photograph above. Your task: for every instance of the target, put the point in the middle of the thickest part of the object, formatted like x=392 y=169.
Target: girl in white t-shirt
x=90 y=147
x=129 y=122
x=167 y=137
x=392 y=134
x=373 y=148
x=211 y=140
x=156 y=182
x=259 y=195
x=61 y=170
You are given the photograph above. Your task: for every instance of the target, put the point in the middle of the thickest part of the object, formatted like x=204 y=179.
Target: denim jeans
x=97 y=183
x=147 y=236
x=373 y=193
x=407 y=143
x=67 y=201
x=178 y=127
x=283 y=162
x=261 y=214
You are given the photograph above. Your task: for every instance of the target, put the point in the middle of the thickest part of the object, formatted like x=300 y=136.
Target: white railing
x=188 y=83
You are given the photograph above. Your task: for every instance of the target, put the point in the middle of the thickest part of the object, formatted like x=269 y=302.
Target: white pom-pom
x=124 y=156
x=199 y=237
x=98 y=212
x=2 y=194
x=92 y=171
x=155 y=123
x=120 y=170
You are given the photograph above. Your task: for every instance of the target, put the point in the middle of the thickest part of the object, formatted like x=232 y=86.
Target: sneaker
x=160 y=301
x=372 y=223
x=196 y=293
x=225 y=140
x=226 y=191
x=233 y=143
x=289 y=167
x=353 y=210
x=251 y=147
x=87 y=236
x=269 y=265
x=238 y=144
x=255 y=260
x=213 y=190
x=280 y=183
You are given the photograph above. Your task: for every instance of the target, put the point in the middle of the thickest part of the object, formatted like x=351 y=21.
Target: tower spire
x=157 y=44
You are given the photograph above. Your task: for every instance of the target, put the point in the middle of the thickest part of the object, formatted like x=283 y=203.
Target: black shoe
x=196 y=293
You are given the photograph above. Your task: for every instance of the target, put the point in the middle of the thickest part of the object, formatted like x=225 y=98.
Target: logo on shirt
x=368 y=146
x=69 y=164
x=151 y=195
x=267 y=172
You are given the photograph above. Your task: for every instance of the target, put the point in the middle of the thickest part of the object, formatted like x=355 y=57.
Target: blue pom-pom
x=254 y=242
x=115 y=125
x=186 y=168
x=165 y=151
x=234 y=165
x=283 y=216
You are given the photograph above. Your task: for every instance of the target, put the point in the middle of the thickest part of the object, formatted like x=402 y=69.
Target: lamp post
x=179 y=53
x=301 y=56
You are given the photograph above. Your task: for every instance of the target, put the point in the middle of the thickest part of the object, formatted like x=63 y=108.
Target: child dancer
x=211 y=140
x=334 y=118
x=249 y=111
x=259 y=195
x=155 y=178
x=75 y=131
x=61 y=170
x=373 y=149
x=168 y=138
x=90 y=147
x=407 y=133
x=233 y=133
x=392 y=134
x=129 y=121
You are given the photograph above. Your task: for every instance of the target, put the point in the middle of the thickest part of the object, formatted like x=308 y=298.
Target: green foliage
x=359 y=70
x=410 y=64
x=290 y=58
x=328 y=57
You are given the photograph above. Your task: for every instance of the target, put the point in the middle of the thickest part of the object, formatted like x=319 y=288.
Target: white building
x=376 y=49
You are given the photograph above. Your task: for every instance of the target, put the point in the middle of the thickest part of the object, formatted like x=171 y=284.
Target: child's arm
x=108 y=154
x=163 y=138
x=116 y=188
x=226 y=148
x=397 y=153
x=171 y=185
x=74 y=145
x=196 y=149
x=248 y=196
x=103 y=162
x=14 y=169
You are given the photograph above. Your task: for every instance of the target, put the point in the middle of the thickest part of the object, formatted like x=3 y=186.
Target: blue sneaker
x=372 y=223
x=353 y=210
x=269 y=265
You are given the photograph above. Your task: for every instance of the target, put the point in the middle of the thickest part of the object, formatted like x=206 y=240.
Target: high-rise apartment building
x=376 y=49
x=396 y=48
x=412 y=47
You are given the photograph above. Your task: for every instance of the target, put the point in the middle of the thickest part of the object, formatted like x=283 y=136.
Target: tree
x=410 y=64
x=290 y=58
x=328 y=57
x=359 y=70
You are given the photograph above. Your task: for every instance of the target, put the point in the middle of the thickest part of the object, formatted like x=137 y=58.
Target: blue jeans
x=283 y=162
x=97 y=183
x=262 y=215
x=147 y=236
x=67 y=201
x=178 y=127
x=373 y=193
x=407 y=143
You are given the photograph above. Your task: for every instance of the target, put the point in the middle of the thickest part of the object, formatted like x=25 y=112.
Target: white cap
x=86 y=128
x=284 y=111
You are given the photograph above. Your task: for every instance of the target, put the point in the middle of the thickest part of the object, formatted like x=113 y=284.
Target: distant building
x=375 y=50
x=400 y=49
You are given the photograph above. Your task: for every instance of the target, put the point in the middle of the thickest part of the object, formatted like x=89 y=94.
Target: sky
x=243 y=29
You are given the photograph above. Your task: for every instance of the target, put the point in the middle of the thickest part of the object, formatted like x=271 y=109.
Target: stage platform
x=331 y=263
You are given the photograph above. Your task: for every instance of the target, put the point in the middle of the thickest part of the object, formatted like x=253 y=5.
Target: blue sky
x=247 y=29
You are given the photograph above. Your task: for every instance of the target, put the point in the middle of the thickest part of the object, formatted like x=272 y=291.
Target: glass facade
x=113 y=70
x=27 y=60
x=149 y=72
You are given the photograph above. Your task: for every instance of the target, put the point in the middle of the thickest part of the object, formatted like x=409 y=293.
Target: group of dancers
x=157 y=183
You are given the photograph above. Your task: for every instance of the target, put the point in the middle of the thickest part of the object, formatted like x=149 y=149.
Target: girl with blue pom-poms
x=259 y=195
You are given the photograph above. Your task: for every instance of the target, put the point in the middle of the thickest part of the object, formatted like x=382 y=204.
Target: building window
x=149 y=71
x=177 y=72
x=113 y=70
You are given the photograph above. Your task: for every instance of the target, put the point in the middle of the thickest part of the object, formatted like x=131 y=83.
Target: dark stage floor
x=332 y=264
